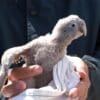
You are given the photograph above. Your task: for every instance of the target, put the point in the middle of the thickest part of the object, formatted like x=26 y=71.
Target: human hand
x=16 y=78
x=81 y=90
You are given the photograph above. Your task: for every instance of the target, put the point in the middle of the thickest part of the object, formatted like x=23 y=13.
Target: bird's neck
x=60 y=41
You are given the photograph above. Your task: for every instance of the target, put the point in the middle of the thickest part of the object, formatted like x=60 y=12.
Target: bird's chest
x=47 y=57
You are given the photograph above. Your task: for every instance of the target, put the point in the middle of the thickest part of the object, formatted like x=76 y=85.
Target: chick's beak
x=82 y=27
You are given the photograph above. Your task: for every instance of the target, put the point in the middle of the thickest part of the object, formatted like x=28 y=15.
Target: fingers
x=17 y=86
x=13 y=89
x=26 y=72
x=76 y=93
x=80 y=91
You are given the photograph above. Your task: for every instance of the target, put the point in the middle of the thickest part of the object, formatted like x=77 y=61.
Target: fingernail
x=20 y=85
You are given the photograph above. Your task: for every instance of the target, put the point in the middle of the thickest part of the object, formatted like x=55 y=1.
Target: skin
x=16 y=80
x=81 y=91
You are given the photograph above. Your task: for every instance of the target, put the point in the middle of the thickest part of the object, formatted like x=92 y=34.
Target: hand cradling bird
x=45 y=51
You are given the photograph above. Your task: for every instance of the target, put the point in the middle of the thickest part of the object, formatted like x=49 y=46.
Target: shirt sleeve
x=94 y=74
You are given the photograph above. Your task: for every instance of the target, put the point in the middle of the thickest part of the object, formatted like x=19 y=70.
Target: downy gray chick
x=45 y=50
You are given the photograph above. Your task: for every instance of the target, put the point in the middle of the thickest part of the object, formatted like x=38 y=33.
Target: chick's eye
x=73 y=25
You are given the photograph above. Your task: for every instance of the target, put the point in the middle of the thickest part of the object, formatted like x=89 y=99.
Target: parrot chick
x=45 y=51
